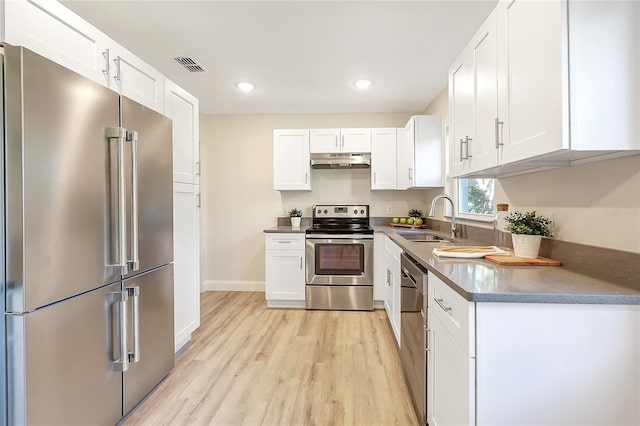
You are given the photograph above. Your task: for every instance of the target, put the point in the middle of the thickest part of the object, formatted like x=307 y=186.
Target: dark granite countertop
x=479 y=280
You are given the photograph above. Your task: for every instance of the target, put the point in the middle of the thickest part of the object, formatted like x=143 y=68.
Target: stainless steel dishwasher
x=413 y=325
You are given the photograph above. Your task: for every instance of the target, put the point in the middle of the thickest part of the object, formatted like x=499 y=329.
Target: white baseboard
x=227 y=285
x=300 y=304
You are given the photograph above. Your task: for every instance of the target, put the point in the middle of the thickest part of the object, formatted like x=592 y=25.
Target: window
x=475 y=197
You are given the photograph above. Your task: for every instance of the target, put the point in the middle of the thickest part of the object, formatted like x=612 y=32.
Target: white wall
x=238 y=200
x=596 y=203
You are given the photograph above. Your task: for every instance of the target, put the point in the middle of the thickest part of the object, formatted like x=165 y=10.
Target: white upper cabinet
x=530 y=78
x=567 y=79
x=340 y=140
x=135 y=79
x=53 y=31
x=420 y=163
x=473 y=103
x=183 y=109
x=384 y=158
x=291 y=160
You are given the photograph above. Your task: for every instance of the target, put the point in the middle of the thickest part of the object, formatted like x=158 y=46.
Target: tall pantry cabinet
x=183 y=109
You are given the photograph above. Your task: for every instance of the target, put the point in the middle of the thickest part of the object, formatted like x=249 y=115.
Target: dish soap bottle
x=500 y=224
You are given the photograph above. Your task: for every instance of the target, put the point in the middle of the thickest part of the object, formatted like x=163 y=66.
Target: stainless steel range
x=339 y=258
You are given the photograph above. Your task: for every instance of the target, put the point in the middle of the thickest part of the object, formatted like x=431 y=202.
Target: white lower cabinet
x=284 y=270
x=530 y=363
x=186 y=255
x=379 y=269
x=391 y=259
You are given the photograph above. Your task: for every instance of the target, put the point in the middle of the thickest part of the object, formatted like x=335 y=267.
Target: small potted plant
x=415 y=216
x=527 y=230
x=296 y=217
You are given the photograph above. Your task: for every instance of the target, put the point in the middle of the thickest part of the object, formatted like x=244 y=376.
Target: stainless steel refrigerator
x=88 y=231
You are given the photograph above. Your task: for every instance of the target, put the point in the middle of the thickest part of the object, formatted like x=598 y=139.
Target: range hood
x=340 y=161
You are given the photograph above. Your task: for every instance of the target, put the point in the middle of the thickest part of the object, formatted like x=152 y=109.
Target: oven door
x=339 y=260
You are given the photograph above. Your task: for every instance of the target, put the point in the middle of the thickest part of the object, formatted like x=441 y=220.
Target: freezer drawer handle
x=134 y=293
x=122 y=363
x=134 y=263
x=120 y=134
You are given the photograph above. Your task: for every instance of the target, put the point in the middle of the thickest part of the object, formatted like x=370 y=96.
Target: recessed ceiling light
x=245 y=86
x=363 y=84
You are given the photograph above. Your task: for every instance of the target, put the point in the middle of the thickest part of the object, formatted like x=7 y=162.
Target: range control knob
x=319 y=211
x=325 y=211
x=361 y=211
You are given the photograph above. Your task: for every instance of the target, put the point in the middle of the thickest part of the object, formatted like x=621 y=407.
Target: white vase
x=295 y=222
x=526 y=246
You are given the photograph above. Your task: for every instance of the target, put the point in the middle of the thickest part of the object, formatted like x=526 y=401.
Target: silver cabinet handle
x=337 y=143
x=426 y=339
x=105 y=70
x=498 y=128
x=439 y=302
x=374 y=178
x=120 y=300
x=301 y=263
x=134 y=262
x=134 y=294
x=120 y=236
x=117 y=76
x=198 y=200
x=388 y=277
x=197 y=168
x=465 y=142
x=306 y=177
x=342 y=144
x=410 y=173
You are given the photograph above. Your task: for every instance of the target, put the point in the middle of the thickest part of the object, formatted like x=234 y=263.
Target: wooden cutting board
x=512 y=260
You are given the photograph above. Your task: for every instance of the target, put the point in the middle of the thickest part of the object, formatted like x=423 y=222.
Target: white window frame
x=468 y=216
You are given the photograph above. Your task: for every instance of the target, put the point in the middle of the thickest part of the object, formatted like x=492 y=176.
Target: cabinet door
x=135 y=79
x=186 y=252
x=291 y=160
x=484 y=148
x=383 y=158
x=183 y=109
x=405 y=156
x=461 y=114
x=530 y=79
x=450 y=379
x=379 y=267
x=355 y=140
x=284 y=275
x=55 y=32
x=324 y=140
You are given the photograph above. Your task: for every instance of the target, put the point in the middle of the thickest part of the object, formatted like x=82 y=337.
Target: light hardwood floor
x=249 y=365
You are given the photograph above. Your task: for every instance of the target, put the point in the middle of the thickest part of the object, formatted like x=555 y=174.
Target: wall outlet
x=389 y=209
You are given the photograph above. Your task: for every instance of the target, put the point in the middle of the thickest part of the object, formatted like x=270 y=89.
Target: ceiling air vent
x=189 y=64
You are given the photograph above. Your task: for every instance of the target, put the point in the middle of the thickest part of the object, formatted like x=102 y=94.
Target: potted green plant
x=296 y=217
x=416 y=215
x=527 y=230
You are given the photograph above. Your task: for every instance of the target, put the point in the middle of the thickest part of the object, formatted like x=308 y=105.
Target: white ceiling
x=303 y=56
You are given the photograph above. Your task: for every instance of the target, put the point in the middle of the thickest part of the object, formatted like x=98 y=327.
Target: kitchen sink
x=422 y=237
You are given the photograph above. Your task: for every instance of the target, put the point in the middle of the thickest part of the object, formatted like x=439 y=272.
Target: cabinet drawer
x=284 y=242
x=456 y=314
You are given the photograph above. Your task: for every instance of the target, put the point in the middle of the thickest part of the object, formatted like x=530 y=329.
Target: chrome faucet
x=432 y=211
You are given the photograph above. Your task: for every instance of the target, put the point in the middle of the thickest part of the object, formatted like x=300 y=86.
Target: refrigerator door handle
x=122 y=363
x=134 y=263
x=134 y=293
x=119 y=133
